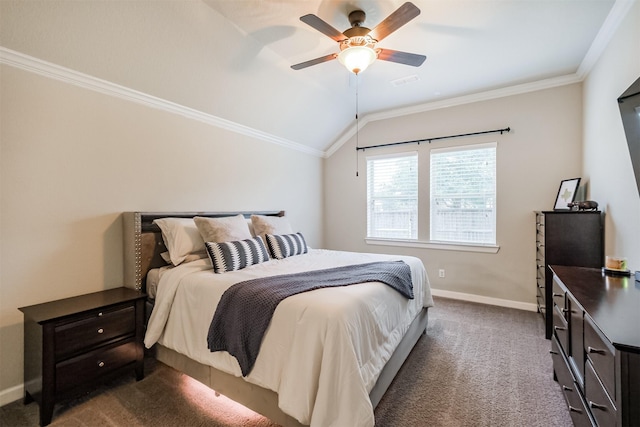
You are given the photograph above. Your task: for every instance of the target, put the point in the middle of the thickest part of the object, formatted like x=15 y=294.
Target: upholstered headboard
x=143 y=242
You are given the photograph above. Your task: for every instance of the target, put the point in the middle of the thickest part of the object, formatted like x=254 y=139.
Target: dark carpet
x=478 y=365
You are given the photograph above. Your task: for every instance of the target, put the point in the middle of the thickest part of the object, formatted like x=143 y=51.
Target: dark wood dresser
x=596 y=345
x=71 y=345
x=565 y=238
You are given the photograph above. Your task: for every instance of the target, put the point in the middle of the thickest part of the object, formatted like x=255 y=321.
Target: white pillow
x=191 y=257
x=181 y=237
x=270 y=225
x=225 y=229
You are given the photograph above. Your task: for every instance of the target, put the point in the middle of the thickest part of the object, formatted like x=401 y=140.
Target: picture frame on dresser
x=566 y=193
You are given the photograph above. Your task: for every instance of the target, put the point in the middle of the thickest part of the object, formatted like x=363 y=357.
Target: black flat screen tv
x=629 y=104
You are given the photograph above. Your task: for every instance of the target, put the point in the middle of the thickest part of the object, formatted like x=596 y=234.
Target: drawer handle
x=553 y=352
x=557 y=295
x=559 y=328
x=573 y=409
x=594 y=405
x=565 y=388
x=592 y=350
x=565 y=310
x=100 y=331
x=100 y=364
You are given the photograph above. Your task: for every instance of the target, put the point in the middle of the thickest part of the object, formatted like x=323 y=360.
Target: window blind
x=392 y=196
x=463 y=194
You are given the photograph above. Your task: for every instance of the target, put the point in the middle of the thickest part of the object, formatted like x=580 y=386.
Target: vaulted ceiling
x=230 y=59
x=472 y=46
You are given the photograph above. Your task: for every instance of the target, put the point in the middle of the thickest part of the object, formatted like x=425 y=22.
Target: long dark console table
x=596 y=345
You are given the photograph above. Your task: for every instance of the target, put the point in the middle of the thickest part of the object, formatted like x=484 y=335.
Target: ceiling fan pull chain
x=357 y=131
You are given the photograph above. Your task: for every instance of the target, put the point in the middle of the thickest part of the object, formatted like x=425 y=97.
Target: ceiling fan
x=358 y=43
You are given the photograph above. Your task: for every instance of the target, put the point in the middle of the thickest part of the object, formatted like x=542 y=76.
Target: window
x=392 y=196
x=463 y=194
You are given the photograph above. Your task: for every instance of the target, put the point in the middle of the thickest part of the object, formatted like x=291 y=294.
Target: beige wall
x=543 y=148
x=606 y=156
x=71 y=160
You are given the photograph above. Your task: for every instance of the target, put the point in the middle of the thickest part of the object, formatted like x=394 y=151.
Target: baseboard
x=485 y=300
x=11 y=394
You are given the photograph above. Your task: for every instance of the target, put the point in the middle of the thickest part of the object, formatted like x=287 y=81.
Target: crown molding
x=453 y=102
x=613 y=20
x=34 y=65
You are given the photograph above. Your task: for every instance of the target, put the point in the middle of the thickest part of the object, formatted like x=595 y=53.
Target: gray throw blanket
x=245 y=309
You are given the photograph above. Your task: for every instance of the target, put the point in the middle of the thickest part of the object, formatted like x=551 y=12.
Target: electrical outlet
x=441 y=272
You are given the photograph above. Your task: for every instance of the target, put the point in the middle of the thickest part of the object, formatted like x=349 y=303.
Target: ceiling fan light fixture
x=357 y=58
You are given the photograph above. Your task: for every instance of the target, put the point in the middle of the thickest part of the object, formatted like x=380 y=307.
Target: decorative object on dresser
x=596 y=345
x=566 y=193
x=565 y=238
x=585 y=205
x=72 y=344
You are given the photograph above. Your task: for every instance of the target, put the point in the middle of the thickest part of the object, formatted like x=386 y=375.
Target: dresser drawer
x=539 y=221
x=570 y=390
x=561 y=329
x=602 y=356
x=542 y=308
x=93 y=329
x=602 y=409
x=87 y=367
x=558 y=296
x=540 y=292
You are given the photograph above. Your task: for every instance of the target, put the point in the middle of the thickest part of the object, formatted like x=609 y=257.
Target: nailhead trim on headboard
x=137 y=223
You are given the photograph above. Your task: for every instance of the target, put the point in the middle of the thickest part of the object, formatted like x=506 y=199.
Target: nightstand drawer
x=87 y=367
x=97 y=327
x=601 y=354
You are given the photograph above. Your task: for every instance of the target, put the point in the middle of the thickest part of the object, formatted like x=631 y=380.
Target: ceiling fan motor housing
x=356 y=18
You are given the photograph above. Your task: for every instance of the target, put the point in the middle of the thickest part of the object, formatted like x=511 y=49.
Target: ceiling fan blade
x=397 y=19
x=323 y=27
x=314 y=61
x=401 y=57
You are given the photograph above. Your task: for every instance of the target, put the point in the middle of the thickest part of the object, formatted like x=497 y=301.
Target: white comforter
x=324 y=349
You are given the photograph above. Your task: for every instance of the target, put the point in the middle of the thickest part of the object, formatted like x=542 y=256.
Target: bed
x=313 y=368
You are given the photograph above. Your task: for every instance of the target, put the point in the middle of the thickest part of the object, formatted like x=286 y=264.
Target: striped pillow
x=232 y=256
x=286 y=245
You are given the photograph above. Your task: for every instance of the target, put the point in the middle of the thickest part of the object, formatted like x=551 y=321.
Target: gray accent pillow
x=233 y=256
x=286 y=245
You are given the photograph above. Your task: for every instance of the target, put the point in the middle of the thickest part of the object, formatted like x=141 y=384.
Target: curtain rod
x=418 y=141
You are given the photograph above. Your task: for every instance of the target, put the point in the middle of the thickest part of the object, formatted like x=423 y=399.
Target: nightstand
x=73 y=344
